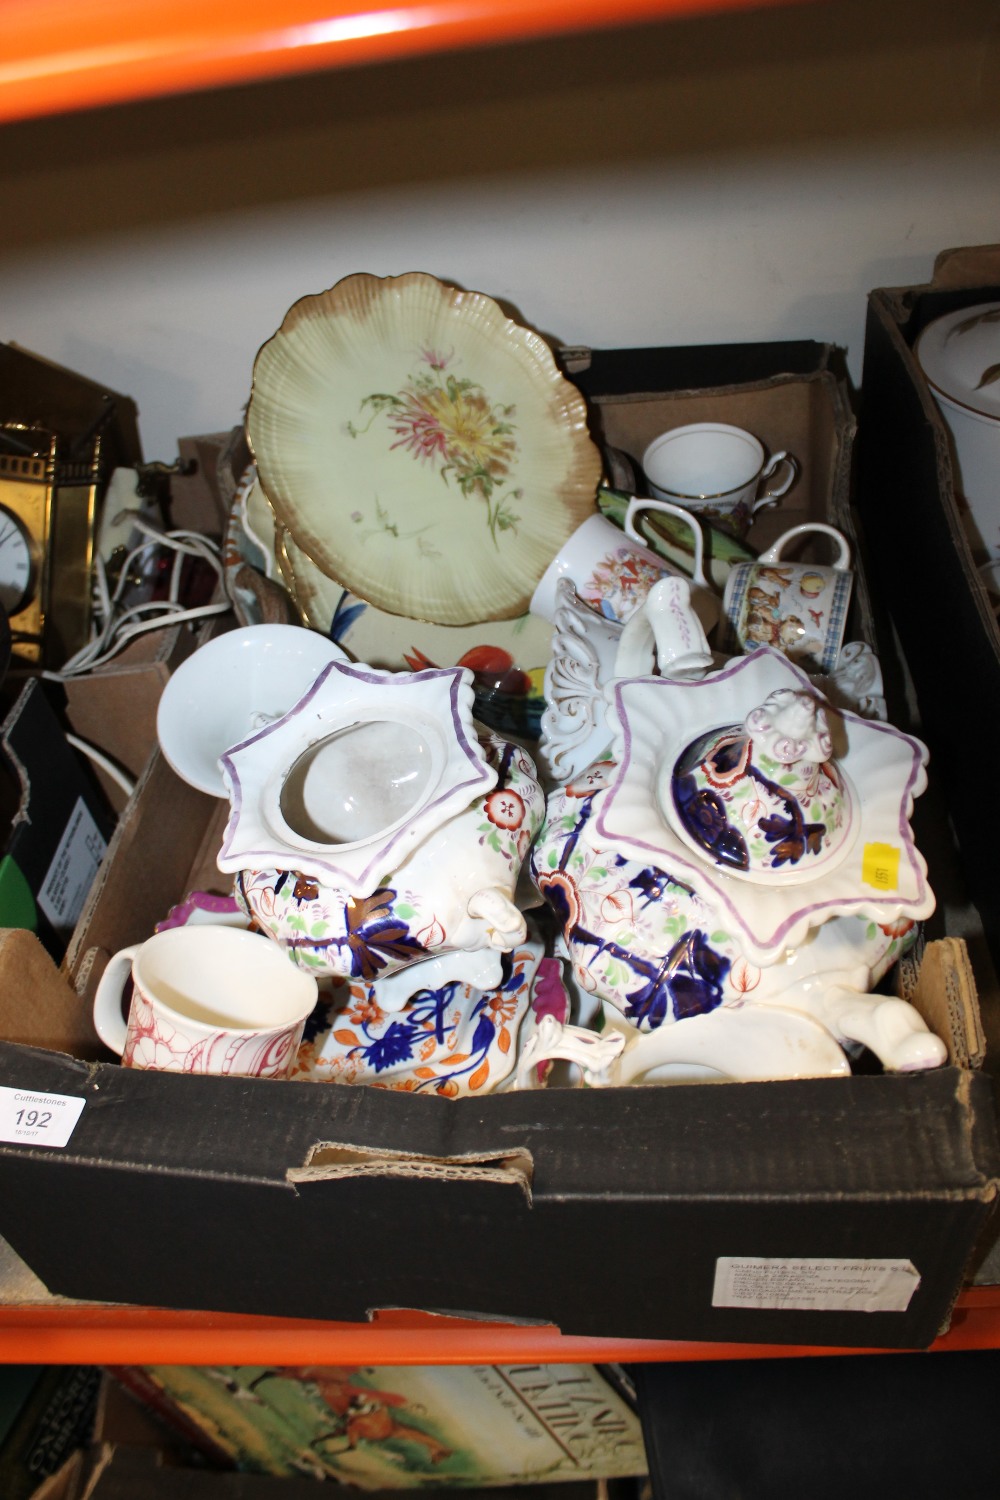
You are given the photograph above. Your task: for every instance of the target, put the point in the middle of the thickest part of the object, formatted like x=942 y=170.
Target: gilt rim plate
x=420 y=446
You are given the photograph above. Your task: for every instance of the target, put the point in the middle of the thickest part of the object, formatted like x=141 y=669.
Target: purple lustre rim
x=321 y=857
x=768 y=915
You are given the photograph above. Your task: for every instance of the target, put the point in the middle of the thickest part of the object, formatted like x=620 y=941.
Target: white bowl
x=960 y=356
x=231 y=687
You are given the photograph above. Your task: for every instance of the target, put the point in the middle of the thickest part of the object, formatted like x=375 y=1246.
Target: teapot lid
x=755 y=750
x=764 y=799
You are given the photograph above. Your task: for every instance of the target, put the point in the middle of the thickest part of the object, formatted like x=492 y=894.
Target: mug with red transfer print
x=205 y=999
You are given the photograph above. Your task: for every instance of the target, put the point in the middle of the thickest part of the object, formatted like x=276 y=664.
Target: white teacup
x=717 y=470
x=612 y=569
x=206 y=999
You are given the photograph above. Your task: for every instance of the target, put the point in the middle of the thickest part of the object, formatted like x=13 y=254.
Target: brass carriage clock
x=61 y=437
x=48 y=505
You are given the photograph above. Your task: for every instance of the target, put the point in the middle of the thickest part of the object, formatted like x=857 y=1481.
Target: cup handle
x=843 y=558
x=109 y=1023
x=643 y=502
x=774 y=492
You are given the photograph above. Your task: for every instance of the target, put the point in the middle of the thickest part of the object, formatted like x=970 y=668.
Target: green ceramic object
x=671 y=538
x=17 y=904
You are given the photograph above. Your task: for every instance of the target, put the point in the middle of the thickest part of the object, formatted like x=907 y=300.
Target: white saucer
x=231 y=687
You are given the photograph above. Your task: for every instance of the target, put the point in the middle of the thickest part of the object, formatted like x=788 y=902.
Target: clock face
x=17 y=563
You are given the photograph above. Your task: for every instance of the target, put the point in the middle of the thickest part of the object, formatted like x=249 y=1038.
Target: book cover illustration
x=404 y=1427
x=46 y=1414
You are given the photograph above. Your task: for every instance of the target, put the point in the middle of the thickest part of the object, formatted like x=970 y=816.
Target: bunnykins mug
x=612 y=569
x=798 y=607
x=206 y=999
x=717 y=471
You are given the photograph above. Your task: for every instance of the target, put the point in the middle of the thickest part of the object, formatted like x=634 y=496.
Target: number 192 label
x=32 y=1119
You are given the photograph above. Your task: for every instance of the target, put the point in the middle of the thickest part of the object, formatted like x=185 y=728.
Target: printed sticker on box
x=822 y=1284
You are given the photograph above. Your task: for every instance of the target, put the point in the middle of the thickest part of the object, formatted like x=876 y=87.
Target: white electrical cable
x=114 y=626
x=267 y=553
x=118 y=776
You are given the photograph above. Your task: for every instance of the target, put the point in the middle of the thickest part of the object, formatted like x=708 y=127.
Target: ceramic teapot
x=376 y=825
x=745 y=843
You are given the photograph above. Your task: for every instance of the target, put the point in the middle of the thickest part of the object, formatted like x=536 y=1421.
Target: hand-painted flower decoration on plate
x=422 y=448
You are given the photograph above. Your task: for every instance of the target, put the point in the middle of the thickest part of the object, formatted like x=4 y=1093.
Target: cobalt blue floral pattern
x=626 y=925
x=712 y=775
x=452 y=1040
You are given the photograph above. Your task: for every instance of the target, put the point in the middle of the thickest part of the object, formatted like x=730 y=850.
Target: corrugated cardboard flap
x=942 y=987
x=328 y=1161
x=37 y=1004
x=967 y=265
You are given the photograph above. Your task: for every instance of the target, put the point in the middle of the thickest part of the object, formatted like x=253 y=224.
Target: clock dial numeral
x=17 y=570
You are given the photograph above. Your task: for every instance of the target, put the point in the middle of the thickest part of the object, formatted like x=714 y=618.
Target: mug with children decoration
x=800 y=608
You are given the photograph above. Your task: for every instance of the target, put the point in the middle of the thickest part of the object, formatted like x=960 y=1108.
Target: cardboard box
x=790 y=397
x=606 y=1212
x=921 y=564
x=61 y=825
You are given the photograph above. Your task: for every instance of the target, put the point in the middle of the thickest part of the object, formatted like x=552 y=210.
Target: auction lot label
x=32 y=1119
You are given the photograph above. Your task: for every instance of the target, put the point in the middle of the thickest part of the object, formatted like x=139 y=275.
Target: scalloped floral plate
x=422 y=448
x=507 y=658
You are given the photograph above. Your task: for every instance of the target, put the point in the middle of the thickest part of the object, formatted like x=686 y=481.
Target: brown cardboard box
x=602 y=1211
x=922 y=566
x=809 y=415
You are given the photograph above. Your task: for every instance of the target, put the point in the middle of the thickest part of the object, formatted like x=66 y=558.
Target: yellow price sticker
x=880 y=866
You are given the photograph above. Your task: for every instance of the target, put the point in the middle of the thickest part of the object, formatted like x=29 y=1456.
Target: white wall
x=730 y=177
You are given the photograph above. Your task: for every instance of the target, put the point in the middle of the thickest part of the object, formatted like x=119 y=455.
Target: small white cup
x=205 y=999
x=717 y=470
x=612 y=569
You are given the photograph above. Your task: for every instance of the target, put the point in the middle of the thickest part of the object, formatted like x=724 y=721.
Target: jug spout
x=665 y=630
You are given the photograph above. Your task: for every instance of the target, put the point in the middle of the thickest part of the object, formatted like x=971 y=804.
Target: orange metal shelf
x=62 y=55
x=72 y=1333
